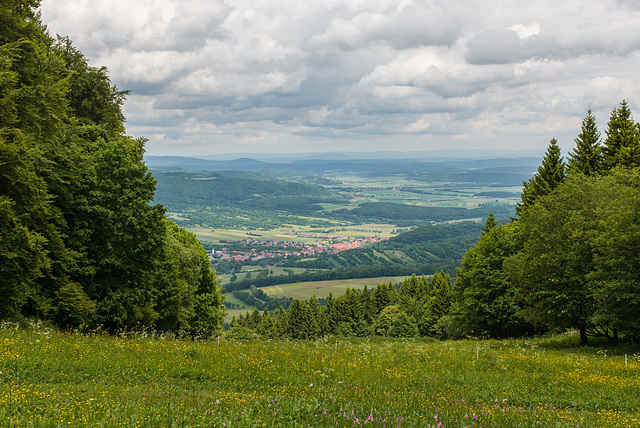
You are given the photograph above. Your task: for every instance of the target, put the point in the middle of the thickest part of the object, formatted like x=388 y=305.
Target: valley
x=256 y=218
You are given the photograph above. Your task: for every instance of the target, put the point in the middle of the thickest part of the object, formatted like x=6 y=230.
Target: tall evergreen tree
x=267 y=327
x=622 y=145
x=549 y=176
x=368 y=306
x=313 y=318
x=281 y=321
x=351 y=308
x=296 y=327
x=413 y=296
x=489 y=224
x=384 y=295
x=437 y=306
x=586 y=157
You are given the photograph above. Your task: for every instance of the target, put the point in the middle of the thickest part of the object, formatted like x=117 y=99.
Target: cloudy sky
x=283 y=76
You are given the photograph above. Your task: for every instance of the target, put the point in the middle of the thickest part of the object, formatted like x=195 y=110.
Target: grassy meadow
x=55 y=379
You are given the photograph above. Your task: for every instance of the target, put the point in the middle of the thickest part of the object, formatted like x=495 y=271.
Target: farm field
x=402 y=190
x=145 y=380
x=321 y=289
x=295 y=233
x=304 y=290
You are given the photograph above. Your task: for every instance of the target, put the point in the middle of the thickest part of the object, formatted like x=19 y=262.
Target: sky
x=209 y=77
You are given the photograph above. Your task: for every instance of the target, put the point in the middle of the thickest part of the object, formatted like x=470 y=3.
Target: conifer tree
x=413 y=296
x=438 y=305
x=330 y=316
x=267 y=327
x=351 y=308
x=586 y=157
x=281 y=321
x=368 y=305
x=296 y=328
x=313 y=318
x=622 y=145
x=489 y=224
x=384 y=295
x=549 y=176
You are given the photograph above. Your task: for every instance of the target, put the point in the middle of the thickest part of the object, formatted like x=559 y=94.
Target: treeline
x=338 y=274
x=402 y=214
x=258 y=299
x=569 y=259
x=416 y=308
x=80 y=240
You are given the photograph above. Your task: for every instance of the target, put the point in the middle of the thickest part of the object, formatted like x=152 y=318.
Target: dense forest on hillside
x=407 y=215
x=81 y=241
x=193 y=190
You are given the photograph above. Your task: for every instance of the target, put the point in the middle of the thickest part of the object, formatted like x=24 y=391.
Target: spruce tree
x=438 y=305
x=622 y=145
x=586 y=157
x=489 y=224
x=549 y=176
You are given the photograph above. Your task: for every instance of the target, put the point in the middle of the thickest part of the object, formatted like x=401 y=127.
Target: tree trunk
x=584 y=340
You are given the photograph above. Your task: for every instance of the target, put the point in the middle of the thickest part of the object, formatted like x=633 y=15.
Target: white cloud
x=526 y=31
x=223 y=75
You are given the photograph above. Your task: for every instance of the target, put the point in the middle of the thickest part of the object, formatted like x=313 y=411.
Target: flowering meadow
x=54 y=379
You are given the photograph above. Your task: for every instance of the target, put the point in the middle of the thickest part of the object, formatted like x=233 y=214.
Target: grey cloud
x=291 y=74
x=495 y=46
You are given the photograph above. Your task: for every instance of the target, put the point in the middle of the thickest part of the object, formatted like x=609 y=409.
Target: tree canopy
x=81 y=241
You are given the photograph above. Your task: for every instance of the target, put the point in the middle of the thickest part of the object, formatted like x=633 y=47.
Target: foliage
x=484 y=297
x=549 y=176
x=614 y=280
x=551 y=268
x=622 y=145
x=81 y=242
x=586 y=157
x=569 y=261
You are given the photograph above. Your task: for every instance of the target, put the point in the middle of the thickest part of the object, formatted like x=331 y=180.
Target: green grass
x=52 y=379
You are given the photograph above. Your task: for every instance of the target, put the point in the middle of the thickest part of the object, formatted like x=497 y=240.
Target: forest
x=83 y=240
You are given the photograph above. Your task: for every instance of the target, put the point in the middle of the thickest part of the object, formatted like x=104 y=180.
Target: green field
x=321 y=289
x=53 y=379
x=304 y=290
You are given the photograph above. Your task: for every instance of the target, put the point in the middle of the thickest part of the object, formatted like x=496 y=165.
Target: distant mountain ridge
x=517 y=168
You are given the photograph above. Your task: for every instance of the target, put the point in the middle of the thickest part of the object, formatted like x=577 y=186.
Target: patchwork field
x=55 y=379
x=295 y=233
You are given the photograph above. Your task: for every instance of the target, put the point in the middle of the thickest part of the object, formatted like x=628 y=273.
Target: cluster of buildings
x=335 y=244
